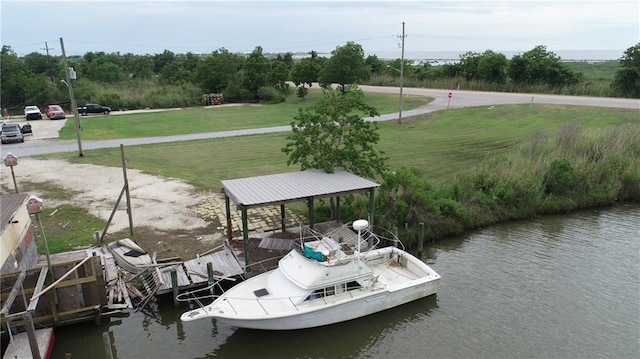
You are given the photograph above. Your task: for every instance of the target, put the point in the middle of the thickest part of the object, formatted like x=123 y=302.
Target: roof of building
x=9 y=205
x=293 y=187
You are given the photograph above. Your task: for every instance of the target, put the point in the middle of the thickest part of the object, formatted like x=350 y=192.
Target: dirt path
x=168 y=215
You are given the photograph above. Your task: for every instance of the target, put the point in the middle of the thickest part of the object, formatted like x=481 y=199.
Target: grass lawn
x=441 y=143
x=221 y=118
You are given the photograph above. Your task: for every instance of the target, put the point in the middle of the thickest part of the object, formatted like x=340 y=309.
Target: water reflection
x=159 y=333
x=344 y=340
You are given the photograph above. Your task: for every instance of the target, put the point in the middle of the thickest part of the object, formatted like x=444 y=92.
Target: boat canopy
x=280 y=287
x=311 y=274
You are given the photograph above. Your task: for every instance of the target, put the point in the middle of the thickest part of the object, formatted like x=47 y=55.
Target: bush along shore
x=576 y=169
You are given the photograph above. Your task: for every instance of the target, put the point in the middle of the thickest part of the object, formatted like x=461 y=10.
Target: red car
x=55 y=112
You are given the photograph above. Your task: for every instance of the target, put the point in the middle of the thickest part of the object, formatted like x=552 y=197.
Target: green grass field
x=222 y=118
x=441 y=144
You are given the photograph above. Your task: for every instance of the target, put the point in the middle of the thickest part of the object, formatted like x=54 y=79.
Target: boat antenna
x=359 y=225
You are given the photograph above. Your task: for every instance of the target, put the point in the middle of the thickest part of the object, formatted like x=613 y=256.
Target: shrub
x=110 y=99
x=234 y=93
x=559 y=177
x=269 y=95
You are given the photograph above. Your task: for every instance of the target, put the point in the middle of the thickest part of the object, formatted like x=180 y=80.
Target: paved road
x=33 y=146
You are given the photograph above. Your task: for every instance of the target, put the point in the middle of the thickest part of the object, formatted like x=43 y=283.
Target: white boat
x=129 y=255
x=342 y=283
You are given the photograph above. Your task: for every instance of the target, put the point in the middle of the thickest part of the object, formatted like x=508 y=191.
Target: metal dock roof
x=292 y=187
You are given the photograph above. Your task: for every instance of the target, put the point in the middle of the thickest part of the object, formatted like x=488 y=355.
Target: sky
x=180 y=26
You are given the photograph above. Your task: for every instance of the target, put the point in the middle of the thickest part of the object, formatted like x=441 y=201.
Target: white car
x=32 y=113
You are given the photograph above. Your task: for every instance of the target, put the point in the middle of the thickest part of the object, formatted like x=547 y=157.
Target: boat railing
x=387 y=237
x=207 y=292
x=345 y=236
x=260 y=267
x=263 y=302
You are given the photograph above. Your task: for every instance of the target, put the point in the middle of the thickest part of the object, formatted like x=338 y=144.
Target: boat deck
x=393 y=273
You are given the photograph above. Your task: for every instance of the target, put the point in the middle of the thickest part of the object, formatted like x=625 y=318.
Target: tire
x=22 y=140
x=84 y=114
x=106 y=112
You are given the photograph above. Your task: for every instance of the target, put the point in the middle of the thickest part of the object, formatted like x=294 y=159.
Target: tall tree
x=215 y=72
x=492 y=67
x=138 y=67
x=161 y=60
x=333 y=133
x=175 y=72
x=627 y=79
x=256 y=72
x=539 y=66
x=488 y=66
x=375 y=65
x=38 y=63
x=279 y=74
x=20 y=86
x=305 y=73
x=346 y=66
x=468 y=65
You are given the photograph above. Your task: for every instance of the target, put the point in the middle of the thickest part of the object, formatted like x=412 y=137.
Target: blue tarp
x=310 y=253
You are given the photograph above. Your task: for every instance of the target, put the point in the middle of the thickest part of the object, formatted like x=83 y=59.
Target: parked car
x=32 y=113
x=11 y=133
x=93 y=108
x=55 y=112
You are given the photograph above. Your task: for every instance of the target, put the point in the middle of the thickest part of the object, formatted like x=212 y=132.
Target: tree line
x=168 y=79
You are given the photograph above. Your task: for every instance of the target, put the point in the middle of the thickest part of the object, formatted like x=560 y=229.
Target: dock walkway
x=193 y=273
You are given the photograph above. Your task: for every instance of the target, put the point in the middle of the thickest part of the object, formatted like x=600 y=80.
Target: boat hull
x=336 y=313
x=306 y=293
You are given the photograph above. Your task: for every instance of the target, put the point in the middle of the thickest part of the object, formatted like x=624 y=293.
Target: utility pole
x=74 y=106
x=46 y=47
x=402 y=37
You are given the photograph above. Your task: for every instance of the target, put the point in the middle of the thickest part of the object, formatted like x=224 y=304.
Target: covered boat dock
x=283 y=188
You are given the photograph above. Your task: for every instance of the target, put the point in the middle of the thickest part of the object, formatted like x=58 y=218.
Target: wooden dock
x=193 y=273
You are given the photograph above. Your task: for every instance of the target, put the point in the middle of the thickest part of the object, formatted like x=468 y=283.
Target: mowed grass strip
x=446 y=142
x=217 y=118
x=441 y=144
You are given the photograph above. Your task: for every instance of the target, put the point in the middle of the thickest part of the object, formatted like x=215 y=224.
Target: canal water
x=554 y=287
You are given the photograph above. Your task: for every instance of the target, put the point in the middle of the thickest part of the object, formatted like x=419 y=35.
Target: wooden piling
x=420 y=237
x=395 y=237
x=210 y=275
x=174 y=286
x=31 y=334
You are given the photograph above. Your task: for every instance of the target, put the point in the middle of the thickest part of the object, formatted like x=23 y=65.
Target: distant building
x=18 y=248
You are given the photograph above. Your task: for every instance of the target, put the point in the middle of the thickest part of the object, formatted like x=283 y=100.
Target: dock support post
x=395 y=237
x=210 y=275
x=174 y=286
x=245 y=240
x=31 y=334
x=283 y=224
x=420 y=238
